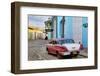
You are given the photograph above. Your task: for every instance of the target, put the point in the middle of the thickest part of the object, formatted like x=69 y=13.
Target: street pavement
x=37 y=51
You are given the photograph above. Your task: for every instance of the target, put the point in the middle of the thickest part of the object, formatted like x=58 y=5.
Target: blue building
x=70 y=27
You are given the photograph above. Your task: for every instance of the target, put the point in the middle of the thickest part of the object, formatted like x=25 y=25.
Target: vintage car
x=63 y=47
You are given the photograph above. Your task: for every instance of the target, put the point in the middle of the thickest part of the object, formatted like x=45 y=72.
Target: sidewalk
x=84 y=53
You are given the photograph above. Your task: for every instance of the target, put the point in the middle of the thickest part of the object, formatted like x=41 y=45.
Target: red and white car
x=63 y=47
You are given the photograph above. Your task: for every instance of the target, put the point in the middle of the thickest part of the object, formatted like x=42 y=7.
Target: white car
x=63 y=47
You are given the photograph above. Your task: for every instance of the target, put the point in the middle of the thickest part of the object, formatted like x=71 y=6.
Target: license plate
x=73 y=48
x=66 y=53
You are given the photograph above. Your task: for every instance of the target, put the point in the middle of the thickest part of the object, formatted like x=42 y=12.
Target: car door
x=53 y=47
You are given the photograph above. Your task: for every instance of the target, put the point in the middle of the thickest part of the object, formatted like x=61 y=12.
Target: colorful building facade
x=70 y=27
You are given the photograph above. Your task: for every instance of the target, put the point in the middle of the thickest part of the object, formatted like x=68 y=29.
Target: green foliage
x=85 y=25
x=48 y=24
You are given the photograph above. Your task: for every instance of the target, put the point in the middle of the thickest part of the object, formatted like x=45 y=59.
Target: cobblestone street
x=37 y=51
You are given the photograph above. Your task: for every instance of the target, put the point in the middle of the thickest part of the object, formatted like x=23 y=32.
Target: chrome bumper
x=69 y=53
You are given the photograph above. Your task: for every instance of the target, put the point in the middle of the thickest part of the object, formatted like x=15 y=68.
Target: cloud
x=37 y=21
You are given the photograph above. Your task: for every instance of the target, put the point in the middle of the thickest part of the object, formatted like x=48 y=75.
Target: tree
x=48 y=24
x=85 y=25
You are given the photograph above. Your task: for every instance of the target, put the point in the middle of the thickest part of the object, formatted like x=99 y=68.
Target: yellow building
x=35 y=33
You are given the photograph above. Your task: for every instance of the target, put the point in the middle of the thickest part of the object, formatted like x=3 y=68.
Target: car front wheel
x=59 y=56
x=47 y=50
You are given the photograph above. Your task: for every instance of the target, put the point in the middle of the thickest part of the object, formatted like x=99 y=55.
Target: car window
x=66 y=41
x=61 y=41
x=69 y=41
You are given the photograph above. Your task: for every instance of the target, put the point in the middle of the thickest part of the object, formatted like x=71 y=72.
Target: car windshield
x=66 y=41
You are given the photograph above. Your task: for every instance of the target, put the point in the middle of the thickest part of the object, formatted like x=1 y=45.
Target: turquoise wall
x=68 y=33
x=59 y=18
x=49 y=35
x=84 y=32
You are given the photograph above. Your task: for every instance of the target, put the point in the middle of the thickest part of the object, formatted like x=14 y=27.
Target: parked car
x=63 y=47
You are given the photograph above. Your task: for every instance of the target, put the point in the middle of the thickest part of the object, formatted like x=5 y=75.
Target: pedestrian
x=46 y=38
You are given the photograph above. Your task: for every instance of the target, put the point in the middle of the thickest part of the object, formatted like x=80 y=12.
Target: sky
x=37 y=21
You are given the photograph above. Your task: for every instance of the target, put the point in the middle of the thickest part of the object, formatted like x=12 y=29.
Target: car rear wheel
x=74 y=55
